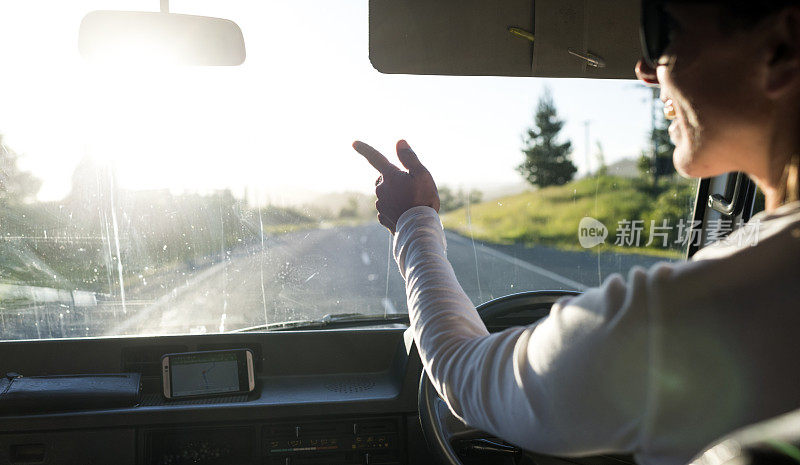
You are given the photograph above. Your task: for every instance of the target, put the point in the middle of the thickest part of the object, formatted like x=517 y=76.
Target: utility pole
x=586 y=125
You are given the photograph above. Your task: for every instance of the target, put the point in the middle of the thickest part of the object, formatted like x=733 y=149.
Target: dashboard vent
x=346 y=441
x=351 y=385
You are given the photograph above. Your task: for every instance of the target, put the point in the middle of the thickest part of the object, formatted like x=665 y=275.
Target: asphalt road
x=309 y=274
x=295 y=276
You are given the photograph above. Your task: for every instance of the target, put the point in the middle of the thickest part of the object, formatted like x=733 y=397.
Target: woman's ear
x=783 y=53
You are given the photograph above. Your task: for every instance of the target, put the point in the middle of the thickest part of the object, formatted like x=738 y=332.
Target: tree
x=663 y=148
x=351 y=209
x=16 y=186
x=450 y=200
x=547 y=161
x=658 y=162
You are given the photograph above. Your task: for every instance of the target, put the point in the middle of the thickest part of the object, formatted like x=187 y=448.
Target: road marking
x=517 y=262
x=388 y=306
x=365 y=257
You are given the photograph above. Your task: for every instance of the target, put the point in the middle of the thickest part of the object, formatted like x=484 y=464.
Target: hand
x=398 y=190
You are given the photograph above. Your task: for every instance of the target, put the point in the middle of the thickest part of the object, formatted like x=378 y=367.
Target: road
x=304 y=275
x=309 y=274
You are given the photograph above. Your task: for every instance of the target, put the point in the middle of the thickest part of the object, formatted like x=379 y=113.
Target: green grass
x=550 y=216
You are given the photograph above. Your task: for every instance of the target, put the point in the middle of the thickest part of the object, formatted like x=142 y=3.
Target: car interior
x=88 y=317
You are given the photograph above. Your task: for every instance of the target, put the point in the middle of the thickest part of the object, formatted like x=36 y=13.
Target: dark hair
x=745 y=14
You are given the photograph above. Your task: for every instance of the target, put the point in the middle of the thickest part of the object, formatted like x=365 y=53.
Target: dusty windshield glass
x=142 y=200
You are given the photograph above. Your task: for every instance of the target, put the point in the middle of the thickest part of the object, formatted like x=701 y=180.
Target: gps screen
x=201 y=374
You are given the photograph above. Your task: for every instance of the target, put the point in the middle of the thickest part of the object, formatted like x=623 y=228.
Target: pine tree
x=657 y=162
x=547 y=161
x=663 y=165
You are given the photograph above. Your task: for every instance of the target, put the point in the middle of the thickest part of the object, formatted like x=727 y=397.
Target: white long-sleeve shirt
x=657 y=365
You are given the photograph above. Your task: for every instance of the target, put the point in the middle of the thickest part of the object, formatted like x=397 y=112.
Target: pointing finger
x=408 y=158
x=375 y=158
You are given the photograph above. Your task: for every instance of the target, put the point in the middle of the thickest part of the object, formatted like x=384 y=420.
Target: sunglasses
x=655 y=30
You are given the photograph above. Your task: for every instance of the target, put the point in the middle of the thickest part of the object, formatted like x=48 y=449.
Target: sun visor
x=549 y=38
x=586 y=38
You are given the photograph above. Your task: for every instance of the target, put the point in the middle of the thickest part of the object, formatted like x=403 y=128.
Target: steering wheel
x=447 y=435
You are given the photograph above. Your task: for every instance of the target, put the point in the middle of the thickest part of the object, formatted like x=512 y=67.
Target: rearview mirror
x=142 y=37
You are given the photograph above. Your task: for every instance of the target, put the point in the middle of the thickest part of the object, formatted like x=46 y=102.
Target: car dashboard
x=338 y=396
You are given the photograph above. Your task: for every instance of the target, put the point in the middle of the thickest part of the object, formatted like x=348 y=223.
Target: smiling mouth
x=669 y=110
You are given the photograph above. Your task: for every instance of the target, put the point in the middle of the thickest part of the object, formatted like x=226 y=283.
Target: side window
x=759 y=205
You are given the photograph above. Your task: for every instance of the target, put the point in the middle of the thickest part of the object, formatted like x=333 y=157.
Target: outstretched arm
x=573 y=384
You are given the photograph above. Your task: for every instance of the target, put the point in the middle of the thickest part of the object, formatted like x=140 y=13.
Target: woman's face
x=707 y=80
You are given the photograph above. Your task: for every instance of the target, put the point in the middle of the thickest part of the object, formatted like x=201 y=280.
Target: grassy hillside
x=550 y=216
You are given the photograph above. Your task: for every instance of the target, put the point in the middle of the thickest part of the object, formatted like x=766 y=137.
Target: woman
x=665 y=361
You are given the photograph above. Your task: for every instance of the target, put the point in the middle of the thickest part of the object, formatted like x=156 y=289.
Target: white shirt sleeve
x=573 y=384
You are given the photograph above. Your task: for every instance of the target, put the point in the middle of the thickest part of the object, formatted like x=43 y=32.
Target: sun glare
x=282 y=123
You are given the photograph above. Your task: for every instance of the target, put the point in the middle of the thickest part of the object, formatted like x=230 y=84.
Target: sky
x=281 y=124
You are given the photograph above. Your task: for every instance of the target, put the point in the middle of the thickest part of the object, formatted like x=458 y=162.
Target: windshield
x=184 y=200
